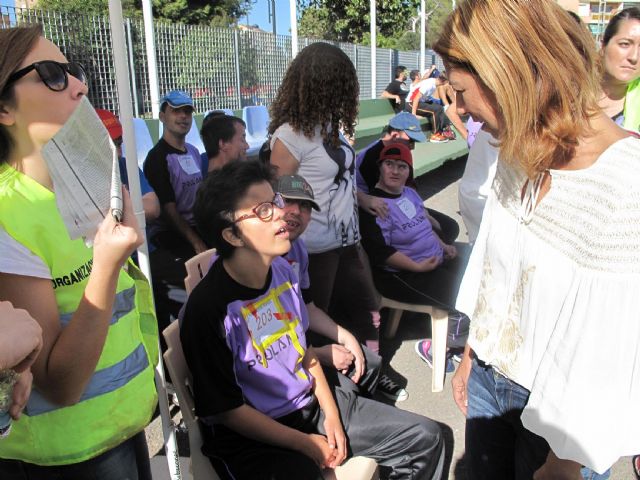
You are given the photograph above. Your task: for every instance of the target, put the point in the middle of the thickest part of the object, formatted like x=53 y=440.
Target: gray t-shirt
x=331 y=173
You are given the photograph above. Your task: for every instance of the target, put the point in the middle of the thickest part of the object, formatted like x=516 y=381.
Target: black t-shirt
x=156 y=170
x=372 y=239
x=396 y=87
x=204 y=343
x=369 y=168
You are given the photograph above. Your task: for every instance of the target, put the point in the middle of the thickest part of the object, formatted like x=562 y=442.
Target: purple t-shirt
x=175 y=177
x=245 y=345
x=298 y=258
x=407 y=228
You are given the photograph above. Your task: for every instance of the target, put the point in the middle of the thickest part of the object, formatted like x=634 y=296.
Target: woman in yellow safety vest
x=621 y=61
x=93 y=380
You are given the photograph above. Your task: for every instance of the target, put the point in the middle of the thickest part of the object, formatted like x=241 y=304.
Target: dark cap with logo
x=295 y=187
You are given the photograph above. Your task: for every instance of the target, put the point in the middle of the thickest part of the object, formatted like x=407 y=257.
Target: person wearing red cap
x=410 y=262
x=150 y=203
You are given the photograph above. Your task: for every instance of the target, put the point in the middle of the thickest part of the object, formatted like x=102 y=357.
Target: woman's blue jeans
x=497 y=444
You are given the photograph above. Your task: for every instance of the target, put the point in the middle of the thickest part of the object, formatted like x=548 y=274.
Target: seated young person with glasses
x=260 y=393
x=410 y=262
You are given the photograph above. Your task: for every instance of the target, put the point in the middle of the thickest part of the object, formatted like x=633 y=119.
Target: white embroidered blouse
x=554 y=300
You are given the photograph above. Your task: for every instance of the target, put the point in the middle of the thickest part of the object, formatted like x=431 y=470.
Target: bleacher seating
x=373 y=117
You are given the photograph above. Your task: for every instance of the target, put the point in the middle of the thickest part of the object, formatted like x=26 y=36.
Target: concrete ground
x=440 y=190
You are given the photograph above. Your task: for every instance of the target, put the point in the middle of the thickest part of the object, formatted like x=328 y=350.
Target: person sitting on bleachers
x=173 y=169
x=410 y=262
x=424 y=101
x=260 y=394
x=403 y=128
x=347 y=363
x=224 y=138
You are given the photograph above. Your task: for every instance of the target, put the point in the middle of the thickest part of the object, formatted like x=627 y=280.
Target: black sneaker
x=391 y=389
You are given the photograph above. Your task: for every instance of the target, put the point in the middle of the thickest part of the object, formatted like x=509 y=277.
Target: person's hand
x=336 y=439
x=317 y=448
x=375 y=206
x=398 y=99
x=21 y=392
x=428 y=264
x=352 y=345
x=557 y=469
x=450 y=252
x=460 y=381
x=115 y=241
x=20 y=338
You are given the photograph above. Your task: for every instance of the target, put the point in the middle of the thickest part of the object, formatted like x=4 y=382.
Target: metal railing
x=219 y=67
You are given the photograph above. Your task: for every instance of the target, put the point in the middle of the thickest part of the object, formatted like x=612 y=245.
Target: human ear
x=232 y=237
x=7 y=117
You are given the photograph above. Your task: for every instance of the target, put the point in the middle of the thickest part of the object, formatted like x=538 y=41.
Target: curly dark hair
x=320 y=87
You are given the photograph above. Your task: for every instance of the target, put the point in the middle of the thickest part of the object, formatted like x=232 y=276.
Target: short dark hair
x=400 y=69
x=216 y=127
x=631 y=13
x=414 y=74
x=218 y=197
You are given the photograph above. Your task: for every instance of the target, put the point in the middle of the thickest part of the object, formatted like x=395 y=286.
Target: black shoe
x=391 y=389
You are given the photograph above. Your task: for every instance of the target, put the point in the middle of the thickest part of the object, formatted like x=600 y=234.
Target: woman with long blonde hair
x=550 y=379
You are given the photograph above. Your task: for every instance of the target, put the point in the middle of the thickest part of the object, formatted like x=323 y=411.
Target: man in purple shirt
x=347 y=363
x=173 y=169
x=263 y=401
x=410 y=262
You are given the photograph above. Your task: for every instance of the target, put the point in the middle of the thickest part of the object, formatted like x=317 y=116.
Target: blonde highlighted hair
x=542 y=68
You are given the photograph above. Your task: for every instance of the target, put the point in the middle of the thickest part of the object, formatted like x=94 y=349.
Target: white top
x=555 y=303
x=19 y=260
x=331 y=174
x=476 y=181
x=427 y=87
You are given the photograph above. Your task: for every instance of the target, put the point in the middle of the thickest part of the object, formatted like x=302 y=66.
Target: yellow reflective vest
x=120 y=397
x=632 y=106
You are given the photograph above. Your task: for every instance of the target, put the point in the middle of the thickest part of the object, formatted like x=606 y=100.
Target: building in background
x=597 y=13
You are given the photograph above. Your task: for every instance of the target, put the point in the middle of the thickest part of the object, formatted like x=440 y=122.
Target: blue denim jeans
x=127 y=461
x=497 y=444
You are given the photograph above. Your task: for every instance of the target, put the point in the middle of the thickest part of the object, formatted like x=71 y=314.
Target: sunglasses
x=264 y=211
x=54 y=75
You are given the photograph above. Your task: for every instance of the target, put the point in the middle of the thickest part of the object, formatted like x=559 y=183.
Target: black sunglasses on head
x=54 y=75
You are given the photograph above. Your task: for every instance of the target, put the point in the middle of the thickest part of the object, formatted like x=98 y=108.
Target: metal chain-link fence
x=219 y=67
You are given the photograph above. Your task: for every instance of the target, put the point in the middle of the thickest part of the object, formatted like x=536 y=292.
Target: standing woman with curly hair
x=315 y=108
x=550 y=379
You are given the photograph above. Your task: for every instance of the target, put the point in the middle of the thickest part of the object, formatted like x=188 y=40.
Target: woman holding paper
x=94 y=391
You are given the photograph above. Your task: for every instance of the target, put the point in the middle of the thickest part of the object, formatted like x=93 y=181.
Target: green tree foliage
x=348 y=20
x=218 y=13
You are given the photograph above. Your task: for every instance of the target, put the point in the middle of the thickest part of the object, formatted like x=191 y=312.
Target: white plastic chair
x=144 y=143
x=439 y=326
x=257 y=120
x=197 y=267
x=200 y=466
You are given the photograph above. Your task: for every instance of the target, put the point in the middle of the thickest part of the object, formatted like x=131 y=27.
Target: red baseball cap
x=397 y=151
x=111 y=123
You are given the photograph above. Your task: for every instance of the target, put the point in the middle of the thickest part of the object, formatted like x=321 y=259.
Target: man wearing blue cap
x=173 y=169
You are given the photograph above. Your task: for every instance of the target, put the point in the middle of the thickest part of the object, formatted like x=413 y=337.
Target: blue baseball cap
x=177 y=99
x=409 y=124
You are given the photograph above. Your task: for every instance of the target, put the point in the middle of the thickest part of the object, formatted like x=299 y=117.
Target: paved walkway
x=440 y=189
